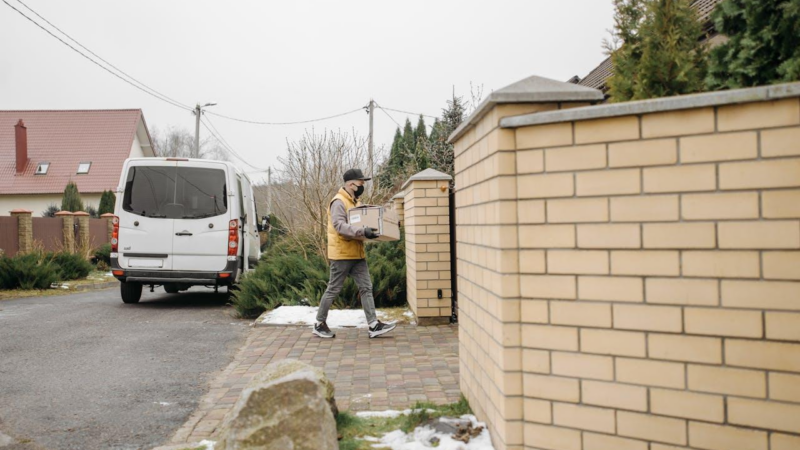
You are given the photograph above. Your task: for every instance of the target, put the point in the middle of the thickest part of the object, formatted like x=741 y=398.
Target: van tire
x=130 y=292
x=171 y=288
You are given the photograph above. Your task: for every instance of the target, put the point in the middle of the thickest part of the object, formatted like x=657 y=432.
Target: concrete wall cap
x=427 y=175
x=21 y=211
x=399 y=195
x=534 y=89
x=80 y=213
x=107 y=215
x=64 y=213
x=706 y=99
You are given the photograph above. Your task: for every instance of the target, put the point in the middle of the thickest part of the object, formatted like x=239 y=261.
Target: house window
x=41 y=168
x=84 y=167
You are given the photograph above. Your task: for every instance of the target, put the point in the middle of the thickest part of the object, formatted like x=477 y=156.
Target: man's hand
x=371 y=233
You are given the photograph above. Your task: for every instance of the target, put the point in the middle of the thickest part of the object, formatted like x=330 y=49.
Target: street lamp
x=198 y=111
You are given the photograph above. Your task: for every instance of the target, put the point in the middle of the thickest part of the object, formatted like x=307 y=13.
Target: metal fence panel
x=9 y=239
x=48 y=231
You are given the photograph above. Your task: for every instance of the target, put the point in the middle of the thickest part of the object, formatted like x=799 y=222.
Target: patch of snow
x=307 y=315
x=209 y=444
x=408 y=313
x=163 y=403
x=420 y=438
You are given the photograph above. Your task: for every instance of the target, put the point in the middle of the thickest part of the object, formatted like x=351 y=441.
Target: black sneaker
x=321 y=329
x=381 y=328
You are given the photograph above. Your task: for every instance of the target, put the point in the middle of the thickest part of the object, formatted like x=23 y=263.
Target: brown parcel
x=384 y=220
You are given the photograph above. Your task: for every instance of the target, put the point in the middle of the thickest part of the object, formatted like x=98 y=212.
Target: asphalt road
x=86 y=371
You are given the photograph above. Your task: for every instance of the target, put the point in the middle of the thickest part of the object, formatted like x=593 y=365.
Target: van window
x=175 y=192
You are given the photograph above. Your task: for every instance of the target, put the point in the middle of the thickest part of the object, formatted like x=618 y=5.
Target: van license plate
x=150 y=263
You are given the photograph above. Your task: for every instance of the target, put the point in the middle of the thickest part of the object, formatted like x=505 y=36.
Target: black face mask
x=359 y=191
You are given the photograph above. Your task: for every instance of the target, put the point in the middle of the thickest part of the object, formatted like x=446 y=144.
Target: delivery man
x=347 y=256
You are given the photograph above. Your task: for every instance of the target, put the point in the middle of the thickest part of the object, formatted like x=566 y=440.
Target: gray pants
x=357 y=268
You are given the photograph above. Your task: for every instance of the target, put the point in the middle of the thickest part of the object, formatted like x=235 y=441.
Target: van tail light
x=115 y=234
x=233 y=237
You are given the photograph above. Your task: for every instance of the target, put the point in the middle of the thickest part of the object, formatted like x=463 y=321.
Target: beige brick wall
x=426 y=220
x=633 y=282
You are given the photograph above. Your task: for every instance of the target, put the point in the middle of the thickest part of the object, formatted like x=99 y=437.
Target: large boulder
x=289 y=405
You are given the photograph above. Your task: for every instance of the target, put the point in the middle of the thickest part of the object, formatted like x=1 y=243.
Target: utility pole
x=370 y=147
x=269 y=190
x=198 y=111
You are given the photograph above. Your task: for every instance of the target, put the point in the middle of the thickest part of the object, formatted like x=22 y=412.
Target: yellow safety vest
x=340 y=247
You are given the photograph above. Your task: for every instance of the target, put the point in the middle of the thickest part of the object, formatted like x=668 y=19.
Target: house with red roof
x=42 y=151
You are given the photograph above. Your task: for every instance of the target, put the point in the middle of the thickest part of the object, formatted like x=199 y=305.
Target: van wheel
x=130 y=292
x=171 y=288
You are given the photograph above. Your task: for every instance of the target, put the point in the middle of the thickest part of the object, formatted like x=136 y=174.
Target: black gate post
x=453 y=258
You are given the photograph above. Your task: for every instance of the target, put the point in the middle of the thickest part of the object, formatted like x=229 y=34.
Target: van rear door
x=145 y=235
x=200 y=227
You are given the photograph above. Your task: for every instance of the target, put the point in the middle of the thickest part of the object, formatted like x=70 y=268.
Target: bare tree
x=179 y=143
x=310 y=177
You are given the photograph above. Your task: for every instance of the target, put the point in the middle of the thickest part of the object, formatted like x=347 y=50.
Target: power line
x=407 y=112
x=173 y=103
x=256 y=122
x=99 y=57
x=163 y=97
x=225 y=144
x=389 y=116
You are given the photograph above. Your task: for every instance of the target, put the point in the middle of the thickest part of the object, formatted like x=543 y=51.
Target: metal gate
x=453 y=258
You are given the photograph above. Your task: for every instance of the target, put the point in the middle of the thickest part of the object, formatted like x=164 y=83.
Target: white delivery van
x=180 y=223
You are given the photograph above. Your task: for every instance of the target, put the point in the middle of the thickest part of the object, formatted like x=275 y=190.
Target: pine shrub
x=763 y=46
x=71 y=201
x=103 y=254
x=107 y=201
x=71 y=266
x=285 y=276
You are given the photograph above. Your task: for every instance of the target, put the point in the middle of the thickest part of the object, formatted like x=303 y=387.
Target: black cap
x=354 y=174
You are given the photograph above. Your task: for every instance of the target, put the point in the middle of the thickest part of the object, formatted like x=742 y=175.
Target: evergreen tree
x=439 y=151
x=107 y=201
x=763 y=46
x=71 y=201
x=663 y=54
x=387 y=173
x=409 y=140
x=628 y=16
x=421 y=132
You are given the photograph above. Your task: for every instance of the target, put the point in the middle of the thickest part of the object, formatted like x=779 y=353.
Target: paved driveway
x=86 y=371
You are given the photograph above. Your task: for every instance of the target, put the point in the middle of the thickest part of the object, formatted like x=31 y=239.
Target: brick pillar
x=25 y=229
x=68 y=229
x=109 y=217
x=83 y=228
x=426 y=219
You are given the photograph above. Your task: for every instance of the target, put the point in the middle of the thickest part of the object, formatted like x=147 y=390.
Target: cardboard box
x=384 y=220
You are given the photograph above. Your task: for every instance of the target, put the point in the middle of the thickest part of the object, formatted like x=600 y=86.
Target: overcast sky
x=291 y=60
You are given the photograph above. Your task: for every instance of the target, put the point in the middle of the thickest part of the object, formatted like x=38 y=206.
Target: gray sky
x=292 y=60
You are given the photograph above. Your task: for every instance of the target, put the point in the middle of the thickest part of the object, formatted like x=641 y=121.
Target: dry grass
x=94 y=277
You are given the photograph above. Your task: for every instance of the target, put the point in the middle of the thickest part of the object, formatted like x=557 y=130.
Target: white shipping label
x=355 y=218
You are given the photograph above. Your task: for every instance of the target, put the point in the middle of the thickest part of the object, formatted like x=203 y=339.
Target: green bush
x=285 y=276
x=71 y=266
x=28 y=271
x=103 y=253
x=38 y=270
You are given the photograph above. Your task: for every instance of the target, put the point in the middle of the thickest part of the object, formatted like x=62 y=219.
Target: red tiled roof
x=65 y=139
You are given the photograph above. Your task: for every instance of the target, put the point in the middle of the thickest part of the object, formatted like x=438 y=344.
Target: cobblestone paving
x=390 y=372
